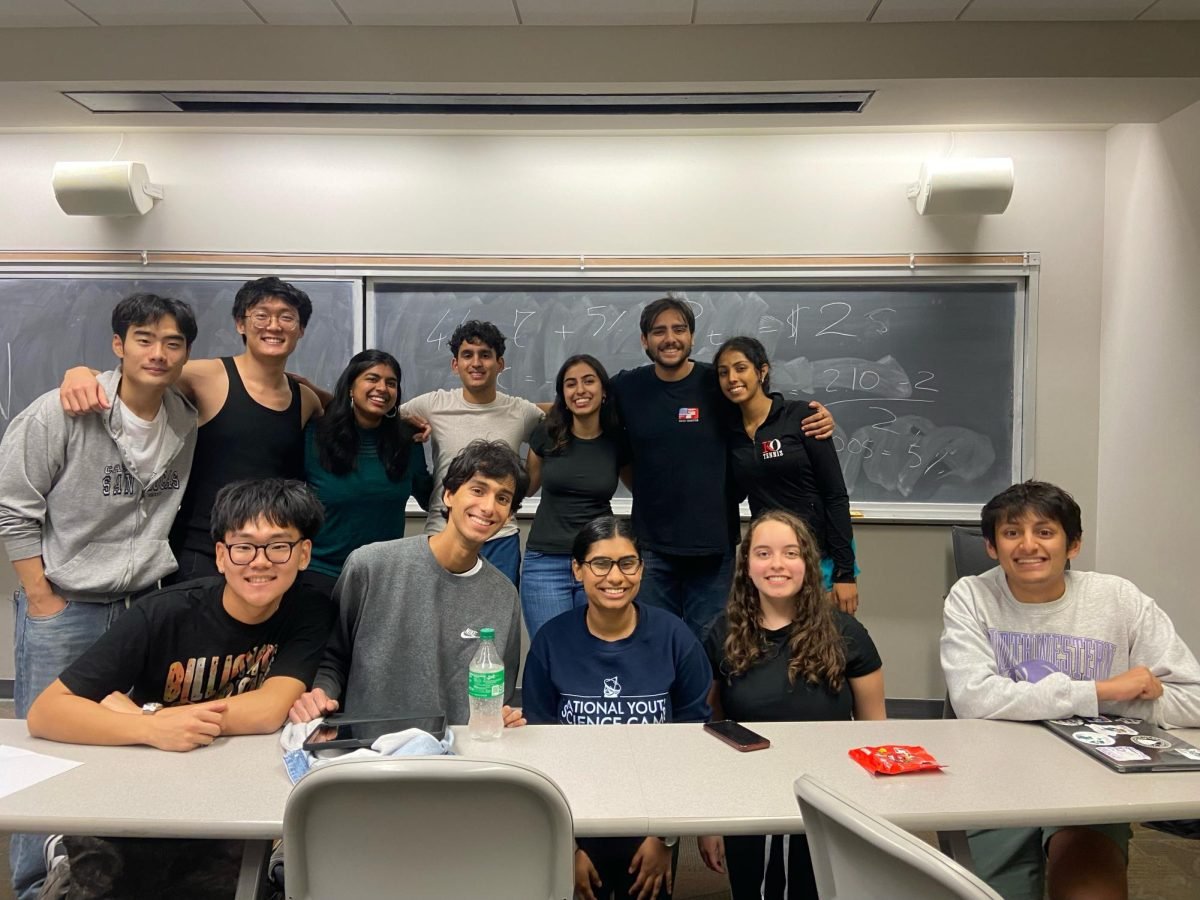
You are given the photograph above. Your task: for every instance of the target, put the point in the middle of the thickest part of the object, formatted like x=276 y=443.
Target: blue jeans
x=548 y=588
x=505 y=554
x=695 y=588
x=43 y=648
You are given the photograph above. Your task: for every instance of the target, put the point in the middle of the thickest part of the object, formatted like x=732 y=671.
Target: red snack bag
x=893 y=759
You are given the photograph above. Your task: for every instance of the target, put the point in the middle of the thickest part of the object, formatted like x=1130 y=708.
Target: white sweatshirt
x=1004 y=659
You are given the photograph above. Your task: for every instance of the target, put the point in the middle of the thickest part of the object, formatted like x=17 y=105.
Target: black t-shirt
x=783 y=469
x=180 y=646
x=763 y=694
x=578 y=482
x=682 y=503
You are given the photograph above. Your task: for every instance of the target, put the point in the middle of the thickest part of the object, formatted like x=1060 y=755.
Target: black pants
x=192 y=565
x=138 y=868
x=611 y=857
x=745 y=857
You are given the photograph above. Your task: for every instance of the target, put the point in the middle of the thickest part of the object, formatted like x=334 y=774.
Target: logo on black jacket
x=772 y=449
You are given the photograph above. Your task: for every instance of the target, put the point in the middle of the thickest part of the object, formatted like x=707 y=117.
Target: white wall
x=678 y=194
x=1149 y=486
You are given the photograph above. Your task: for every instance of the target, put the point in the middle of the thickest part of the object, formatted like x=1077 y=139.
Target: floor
x=1161 y=867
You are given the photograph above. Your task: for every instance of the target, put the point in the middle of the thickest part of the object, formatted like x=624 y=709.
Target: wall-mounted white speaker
x=963 y=187
x=104 y=188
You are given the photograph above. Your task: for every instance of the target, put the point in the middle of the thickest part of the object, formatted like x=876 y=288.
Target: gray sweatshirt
x=71 y=493
x=1004 y=659
x=407 y=630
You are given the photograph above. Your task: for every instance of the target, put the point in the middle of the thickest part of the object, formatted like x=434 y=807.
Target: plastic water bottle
x=485 y=687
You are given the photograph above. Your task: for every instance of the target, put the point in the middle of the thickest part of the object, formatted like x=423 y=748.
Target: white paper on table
x=20 y=769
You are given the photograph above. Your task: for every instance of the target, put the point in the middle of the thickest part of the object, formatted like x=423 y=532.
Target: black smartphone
x=737 y=736
x=346 y=732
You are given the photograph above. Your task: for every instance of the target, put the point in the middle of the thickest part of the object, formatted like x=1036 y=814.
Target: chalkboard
x=50 y=324
x=923 y=377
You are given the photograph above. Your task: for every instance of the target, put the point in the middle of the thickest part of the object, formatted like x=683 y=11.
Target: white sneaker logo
x=470 y=634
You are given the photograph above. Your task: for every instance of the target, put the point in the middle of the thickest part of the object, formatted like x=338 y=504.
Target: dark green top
x=364 y=506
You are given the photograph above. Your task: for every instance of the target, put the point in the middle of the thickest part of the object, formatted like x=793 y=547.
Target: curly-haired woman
x=782 y=652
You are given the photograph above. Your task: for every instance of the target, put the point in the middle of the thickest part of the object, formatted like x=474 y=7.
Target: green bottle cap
x=487 y=634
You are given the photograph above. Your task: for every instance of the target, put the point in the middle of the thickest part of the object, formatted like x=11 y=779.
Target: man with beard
x=684 y=510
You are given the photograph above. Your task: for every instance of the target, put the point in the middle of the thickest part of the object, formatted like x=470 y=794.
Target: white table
x=630 y=780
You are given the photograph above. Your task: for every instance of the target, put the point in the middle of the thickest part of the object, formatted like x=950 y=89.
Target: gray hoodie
x=70 y=492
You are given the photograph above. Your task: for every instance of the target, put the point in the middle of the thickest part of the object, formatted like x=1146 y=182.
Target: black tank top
x=244 y=440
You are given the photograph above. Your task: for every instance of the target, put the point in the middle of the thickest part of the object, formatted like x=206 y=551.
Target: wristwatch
x=149 y=709
x=670 y=842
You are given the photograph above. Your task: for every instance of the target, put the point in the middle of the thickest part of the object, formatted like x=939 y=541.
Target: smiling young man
x=217 y=656
x=252 y=414
x=86 y=506
x=410 y=611
x=1031 y=640
x=477 y=410
x=684 y=511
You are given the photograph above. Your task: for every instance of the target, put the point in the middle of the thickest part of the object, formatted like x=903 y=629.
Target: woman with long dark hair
x=575 y=456
x=361 y=460
x=783 y=653
x=615 y=661
x=778 y=467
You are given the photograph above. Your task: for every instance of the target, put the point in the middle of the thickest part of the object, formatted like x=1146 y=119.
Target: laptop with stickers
x=1127 y=745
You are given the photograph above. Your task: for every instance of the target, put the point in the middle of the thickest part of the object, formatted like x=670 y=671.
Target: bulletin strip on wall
x=871 y=352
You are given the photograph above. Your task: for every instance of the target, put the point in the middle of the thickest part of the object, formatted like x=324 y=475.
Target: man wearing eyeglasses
x=217 y=656
x=252 y=414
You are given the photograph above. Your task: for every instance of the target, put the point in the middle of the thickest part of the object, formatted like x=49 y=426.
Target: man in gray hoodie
x=86 y=505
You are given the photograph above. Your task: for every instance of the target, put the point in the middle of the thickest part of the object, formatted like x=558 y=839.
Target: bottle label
x=486 y=685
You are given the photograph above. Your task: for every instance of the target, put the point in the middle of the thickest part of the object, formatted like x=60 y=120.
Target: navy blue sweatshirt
x=660 y=673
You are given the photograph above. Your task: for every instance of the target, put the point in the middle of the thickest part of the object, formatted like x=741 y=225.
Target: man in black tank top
x=251 y=413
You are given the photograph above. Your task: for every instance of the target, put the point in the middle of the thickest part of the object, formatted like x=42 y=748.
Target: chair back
x=856 y=854
x=970 y=551
x=427 y=827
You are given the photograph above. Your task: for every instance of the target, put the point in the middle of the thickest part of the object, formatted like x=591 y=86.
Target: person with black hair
x=410 y=611
x=252 y=413
x=778 y=466
x=616 y=661
x=218 y=656
x=575 y=456
x=684 y=510
x=1033 y=640
x=86 y=506
x=361 y=460
x=476 y=410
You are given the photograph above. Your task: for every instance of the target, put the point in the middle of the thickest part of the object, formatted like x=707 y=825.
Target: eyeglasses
x=277 y=552
x=602 y=565
x=288 y=321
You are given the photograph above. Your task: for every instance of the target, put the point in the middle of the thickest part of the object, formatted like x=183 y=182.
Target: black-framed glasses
x=602 y=565
x=260 y=318
x=277 y=552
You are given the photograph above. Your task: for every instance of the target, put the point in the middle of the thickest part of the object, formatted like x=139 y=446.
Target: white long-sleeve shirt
x=1004 y=659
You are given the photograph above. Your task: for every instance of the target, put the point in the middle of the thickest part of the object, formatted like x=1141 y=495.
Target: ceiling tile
x=1172 y=9
x=918 y=10
x=41 y=14
x=759 y=12
x=298 y=12
x=611 y=12
x=1052 y=10
x=430 y=12
x=177 y=12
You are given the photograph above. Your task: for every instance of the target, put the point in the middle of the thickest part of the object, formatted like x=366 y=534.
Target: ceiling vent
x=774 y=103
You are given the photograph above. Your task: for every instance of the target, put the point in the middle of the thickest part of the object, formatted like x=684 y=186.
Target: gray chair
x=429 y=828
x=856 y=854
